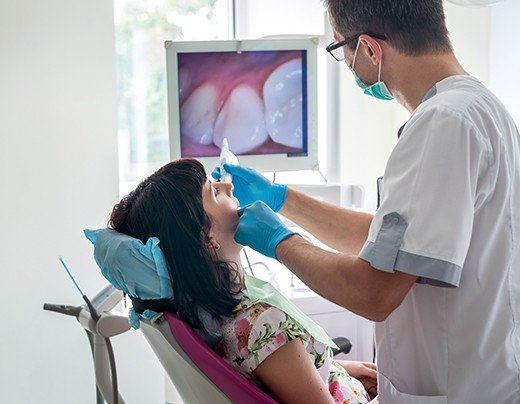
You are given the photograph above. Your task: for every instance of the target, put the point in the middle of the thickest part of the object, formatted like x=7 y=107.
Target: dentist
x=438 y=267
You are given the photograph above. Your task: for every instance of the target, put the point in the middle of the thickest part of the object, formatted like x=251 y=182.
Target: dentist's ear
x=372 y=48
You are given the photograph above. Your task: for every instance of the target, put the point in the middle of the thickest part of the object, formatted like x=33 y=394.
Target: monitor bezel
x=264 y=162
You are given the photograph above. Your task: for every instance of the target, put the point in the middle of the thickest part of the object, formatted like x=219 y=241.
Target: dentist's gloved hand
x=261 y=229
x=251 y=186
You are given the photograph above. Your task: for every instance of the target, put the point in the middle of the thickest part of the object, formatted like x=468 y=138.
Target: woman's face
x=221 y=207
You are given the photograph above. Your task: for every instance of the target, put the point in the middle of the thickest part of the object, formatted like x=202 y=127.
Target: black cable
x=248 y=263
x=113 y=373
x=374 y=346
x=93 y=313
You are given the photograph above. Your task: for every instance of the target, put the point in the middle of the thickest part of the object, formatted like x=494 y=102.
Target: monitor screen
x=256 y=99
x=259 y=94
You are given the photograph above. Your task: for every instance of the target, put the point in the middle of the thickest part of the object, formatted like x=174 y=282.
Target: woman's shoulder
x=258 y=314
x=248 y=316
x=254 y=331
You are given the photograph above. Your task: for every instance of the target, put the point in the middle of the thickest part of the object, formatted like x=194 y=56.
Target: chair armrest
x=344 y=345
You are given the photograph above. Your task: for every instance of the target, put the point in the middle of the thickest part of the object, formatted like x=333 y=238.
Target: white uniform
x=450 y=214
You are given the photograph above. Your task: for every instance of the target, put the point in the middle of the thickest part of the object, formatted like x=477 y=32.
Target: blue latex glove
x=251 y=186
x=261 y=229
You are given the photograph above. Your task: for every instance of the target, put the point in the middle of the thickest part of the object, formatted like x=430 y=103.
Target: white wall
x=505 y=55
x=469 y=31
x=258 y=18
x=58 y=175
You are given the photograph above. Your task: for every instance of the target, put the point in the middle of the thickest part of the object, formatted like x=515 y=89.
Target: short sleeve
x=271 y=330
x=434 y=179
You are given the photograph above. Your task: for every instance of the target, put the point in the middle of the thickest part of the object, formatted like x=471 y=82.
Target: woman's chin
x=237 y=247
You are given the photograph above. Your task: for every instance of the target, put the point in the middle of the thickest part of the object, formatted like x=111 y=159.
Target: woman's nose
x=229 y=188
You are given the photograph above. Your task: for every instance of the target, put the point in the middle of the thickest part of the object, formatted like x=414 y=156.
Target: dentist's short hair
x=413 y=27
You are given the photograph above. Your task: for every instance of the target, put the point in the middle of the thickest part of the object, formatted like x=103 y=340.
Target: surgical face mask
x=377 y=90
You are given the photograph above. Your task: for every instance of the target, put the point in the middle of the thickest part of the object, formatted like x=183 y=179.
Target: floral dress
x=255 y=331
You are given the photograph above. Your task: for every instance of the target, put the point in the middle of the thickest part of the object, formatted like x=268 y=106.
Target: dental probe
x=226 y=157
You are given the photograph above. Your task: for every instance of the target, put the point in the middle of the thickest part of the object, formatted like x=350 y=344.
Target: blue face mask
x=377 y=90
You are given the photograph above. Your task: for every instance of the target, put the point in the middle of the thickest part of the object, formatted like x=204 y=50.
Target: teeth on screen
x=184 y=82
x=198 y=114
x=241 y=121
x=283 y=104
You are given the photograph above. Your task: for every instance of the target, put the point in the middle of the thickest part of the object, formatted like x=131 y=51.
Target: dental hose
x=111 y=356
x=113 y=373
x=248 y=263
x=99 y=396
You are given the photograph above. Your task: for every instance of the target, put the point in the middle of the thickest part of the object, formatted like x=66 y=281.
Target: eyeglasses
x=336 y=48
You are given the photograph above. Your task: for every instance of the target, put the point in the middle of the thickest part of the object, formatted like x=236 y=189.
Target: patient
x=195 y=221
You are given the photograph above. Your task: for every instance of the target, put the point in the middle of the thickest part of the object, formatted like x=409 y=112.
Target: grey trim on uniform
x=385 y=254
x=388 y=242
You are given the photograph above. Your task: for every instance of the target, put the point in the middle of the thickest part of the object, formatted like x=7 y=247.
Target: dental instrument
x=226 y=157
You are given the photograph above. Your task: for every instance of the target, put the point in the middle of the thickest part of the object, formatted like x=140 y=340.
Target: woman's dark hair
x=414 y=27
x=168 y=205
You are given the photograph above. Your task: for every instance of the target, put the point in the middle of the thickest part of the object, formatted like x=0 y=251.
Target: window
x=142 y=26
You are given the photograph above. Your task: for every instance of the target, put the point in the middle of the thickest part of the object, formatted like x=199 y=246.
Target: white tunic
x=450 y=214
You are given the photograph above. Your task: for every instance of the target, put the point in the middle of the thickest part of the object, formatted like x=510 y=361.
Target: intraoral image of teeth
x=241 y=120
x=198 y=114
x=185 y=80
x=283 y=104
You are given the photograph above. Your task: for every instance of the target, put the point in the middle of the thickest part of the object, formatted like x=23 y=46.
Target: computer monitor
x=259 y=94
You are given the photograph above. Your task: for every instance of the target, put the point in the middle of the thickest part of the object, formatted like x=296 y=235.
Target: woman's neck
x=233 y=258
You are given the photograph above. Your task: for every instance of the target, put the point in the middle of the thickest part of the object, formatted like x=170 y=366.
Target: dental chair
x=198 y=373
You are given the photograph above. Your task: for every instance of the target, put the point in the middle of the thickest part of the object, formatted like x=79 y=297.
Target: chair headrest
x=140 y=270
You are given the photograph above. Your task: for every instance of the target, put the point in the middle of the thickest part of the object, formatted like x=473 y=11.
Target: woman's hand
x=365 y=372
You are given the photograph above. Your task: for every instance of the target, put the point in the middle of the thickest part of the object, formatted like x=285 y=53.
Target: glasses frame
x=335 y=45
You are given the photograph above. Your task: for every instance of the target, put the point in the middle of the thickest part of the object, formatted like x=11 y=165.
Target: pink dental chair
x=198 y=373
